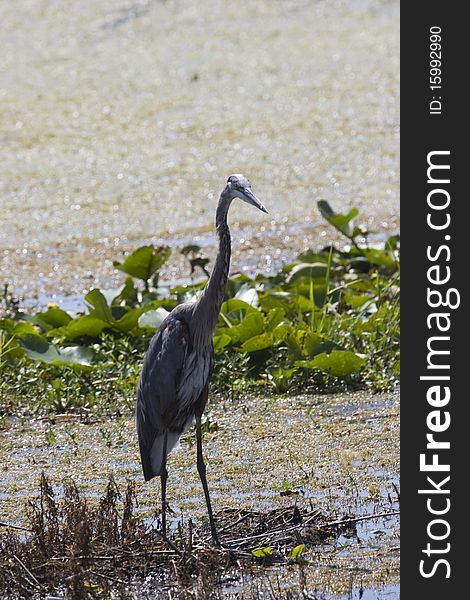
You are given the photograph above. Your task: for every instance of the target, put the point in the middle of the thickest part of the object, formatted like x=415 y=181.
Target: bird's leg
x=201 y=467
x=163 y=478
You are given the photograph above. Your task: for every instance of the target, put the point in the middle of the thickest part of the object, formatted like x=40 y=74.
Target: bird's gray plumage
x=175 y=376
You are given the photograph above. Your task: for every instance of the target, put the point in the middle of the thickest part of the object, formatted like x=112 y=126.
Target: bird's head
x=238 y=186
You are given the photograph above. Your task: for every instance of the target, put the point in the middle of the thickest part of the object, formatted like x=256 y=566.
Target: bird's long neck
x=208 y=306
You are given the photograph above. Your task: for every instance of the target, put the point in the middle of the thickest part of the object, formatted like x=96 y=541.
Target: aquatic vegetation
x=329 y=319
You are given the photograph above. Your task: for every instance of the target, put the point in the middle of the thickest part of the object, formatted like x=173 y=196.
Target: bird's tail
x=152 y=465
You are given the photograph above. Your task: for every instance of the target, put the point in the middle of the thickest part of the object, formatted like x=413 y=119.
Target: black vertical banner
x=435 y=331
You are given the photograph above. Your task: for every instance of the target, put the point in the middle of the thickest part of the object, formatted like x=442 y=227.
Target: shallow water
x=336 y=453
x=119 y=123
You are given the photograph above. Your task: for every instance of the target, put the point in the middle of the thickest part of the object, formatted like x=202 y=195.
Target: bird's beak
x=250 y=198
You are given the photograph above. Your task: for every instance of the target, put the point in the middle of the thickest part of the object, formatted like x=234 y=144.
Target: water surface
x=119 y=123
x=336 y=453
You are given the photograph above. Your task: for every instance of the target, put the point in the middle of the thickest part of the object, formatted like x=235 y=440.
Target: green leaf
x=101 y=309
x=270 y=300
x=340 y=363
x=118 y=312
x=296 y=552
x=314 y=344
x=258 y=342
x=262 y=553
x=128 y=294
x=380 y=258
x=252 y=324
x=325 y=209
x=236 y=308
x=21 y=329
x=295 y=344
x=285 y=300
x=282 y=331
x=310 y=256
x=38 y=348
x=281 y=378
x=304 y=290
x=130 y=319
x=275 y=318
x=153 y=318
x=144 y=262
x=309 y=270
x=10 y=350
x=83 y=326
x=342 y=223
x=35 y=343
x=77 y=355
x=7 y=325
x=235 y=283
x=355 y=300
x=220 y=341
x=319 y=295
x=54 y=317
x=303 y=343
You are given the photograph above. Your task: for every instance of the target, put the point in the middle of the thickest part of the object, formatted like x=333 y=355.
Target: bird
x=174 y=382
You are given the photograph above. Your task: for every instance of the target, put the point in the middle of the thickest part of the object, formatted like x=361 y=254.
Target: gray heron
x=174 y=382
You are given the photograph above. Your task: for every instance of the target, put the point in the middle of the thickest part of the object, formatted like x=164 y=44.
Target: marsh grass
x=80 y=549
x=75 y=546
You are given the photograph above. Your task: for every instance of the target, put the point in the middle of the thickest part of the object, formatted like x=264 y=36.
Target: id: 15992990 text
x=435 y=71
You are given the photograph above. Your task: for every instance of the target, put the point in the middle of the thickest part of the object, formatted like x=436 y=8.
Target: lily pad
x=221 y=341
x=315 y=344
x=285 y=300
x=128 y=294
x=54 y=317
x=38 y=348
x=258 y=342
x=100 y=308
x=83 y=326
x=275 y=318
x=379 y=258
x=343 y=223
x=252 y=324
x=144 y=262
x=153 y=318
x=281 y=331
x=315 y=270
x=236 y=308
x=339 y=363
x=130 y=319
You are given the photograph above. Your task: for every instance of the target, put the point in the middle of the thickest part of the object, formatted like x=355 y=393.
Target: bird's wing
x=161 y=371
